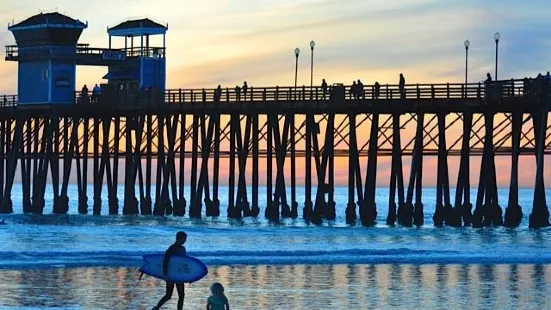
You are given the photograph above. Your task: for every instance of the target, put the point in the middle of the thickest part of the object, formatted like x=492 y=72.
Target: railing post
x=432 y=91
x=303 y=93
x=264 y=95
x=387 y=97
x=277 y=94
x=512 y=92
x=317 y=93
x=251 y=92
x=448 y=90
x=292 y=93
x=227 y=95
x=418 y=92
x=479 y=91
x=192 y=97
x=180 y=95
x=204 y=96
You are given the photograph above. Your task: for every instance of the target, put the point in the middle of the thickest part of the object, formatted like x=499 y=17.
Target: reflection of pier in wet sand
x=295 y=286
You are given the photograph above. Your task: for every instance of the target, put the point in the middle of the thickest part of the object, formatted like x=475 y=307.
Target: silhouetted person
x=360 y=89
x=244 y=88
x=354 y=90
x=488 y=85
x=237 y=93
x=95 y=93
x=177 y=248
x=84 y=94
x=525 y=86
x=324 y=87
x=217 y=94
x=401 y=86
x=376 y=90
x=488 y=79
x=217 y=300
x=547 y=76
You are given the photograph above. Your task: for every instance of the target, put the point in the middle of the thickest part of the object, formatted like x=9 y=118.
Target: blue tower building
x=45 y=50
x=48 y=52
x=145 y=66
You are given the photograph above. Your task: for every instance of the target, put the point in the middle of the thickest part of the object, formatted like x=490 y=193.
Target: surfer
x=175 y=249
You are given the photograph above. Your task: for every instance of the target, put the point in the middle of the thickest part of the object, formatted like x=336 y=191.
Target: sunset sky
x=213 y=42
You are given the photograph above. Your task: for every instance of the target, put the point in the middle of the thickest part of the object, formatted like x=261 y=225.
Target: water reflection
x=292 y=287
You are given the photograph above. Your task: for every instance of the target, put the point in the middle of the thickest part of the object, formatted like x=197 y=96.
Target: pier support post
x=146 y=200
x=308 y=206
x=82 y=176
x=231 y=172
x=443 y=206
x=180 y=208
x=513 y=213
x=368 y=209
x=194 y=154
x=25 y=166
x=540 y=213
x=214 y=208
x=489 y=213
x=462 y=212
x=292 y=133
x=329 y=147
x=354 y=173
x=255 y=149
x=270 y=202
x=12 y=149
x=396 y=174
x=415 y=179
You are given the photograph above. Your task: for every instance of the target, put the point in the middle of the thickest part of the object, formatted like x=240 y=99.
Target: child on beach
x=217 y=301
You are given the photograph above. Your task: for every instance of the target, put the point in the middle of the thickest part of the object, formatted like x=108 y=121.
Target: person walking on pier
x=324 y=88
x=376 y=90
x=401 y=86
x=360 y=89
x=217 y=94
x=96 y=91
x=84 y=94
x=354 y=90
x=237 y=93
x=244 y=88
x=488 y=85
x=177 y=248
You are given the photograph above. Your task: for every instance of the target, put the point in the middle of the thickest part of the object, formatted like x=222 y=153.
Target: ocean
x=91 y=262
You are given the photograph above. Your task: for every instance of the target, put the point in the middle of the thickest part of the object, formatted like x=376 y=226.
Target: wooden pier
x=280 y=135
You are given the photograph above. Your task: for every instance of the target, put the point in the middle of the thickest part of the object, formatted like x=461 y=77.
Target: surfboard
x=184 y=269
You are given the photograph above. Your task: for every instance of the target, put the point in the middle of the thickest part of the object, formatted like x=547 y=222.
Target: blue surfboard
x=184 y=269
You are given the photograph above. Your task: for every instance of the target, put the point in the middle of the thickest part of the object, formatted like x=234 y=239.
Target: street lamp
x=466 y=43
x=496 y=38
x=312 y=45
x=297 y=52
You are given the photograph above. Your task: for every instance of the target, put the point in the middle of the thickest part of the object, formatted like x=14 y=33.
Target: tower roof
x=48 y=20
x=137 y=27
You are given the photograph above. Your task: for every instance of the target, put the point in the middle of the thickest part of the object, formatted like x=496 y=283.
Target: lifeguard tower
x=48 y=52
x=45 y=51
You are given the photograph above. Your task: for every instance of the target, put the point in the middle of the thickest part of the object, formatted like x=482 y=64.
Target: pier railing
x=336 y=93
x=14 y=52
x=8 y=101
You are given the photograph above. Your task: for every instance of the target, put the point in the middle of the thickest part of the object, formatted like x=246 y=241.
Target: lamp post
x=297 y=52
x=496 y=38
x=466 y=43
x=312 y=45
